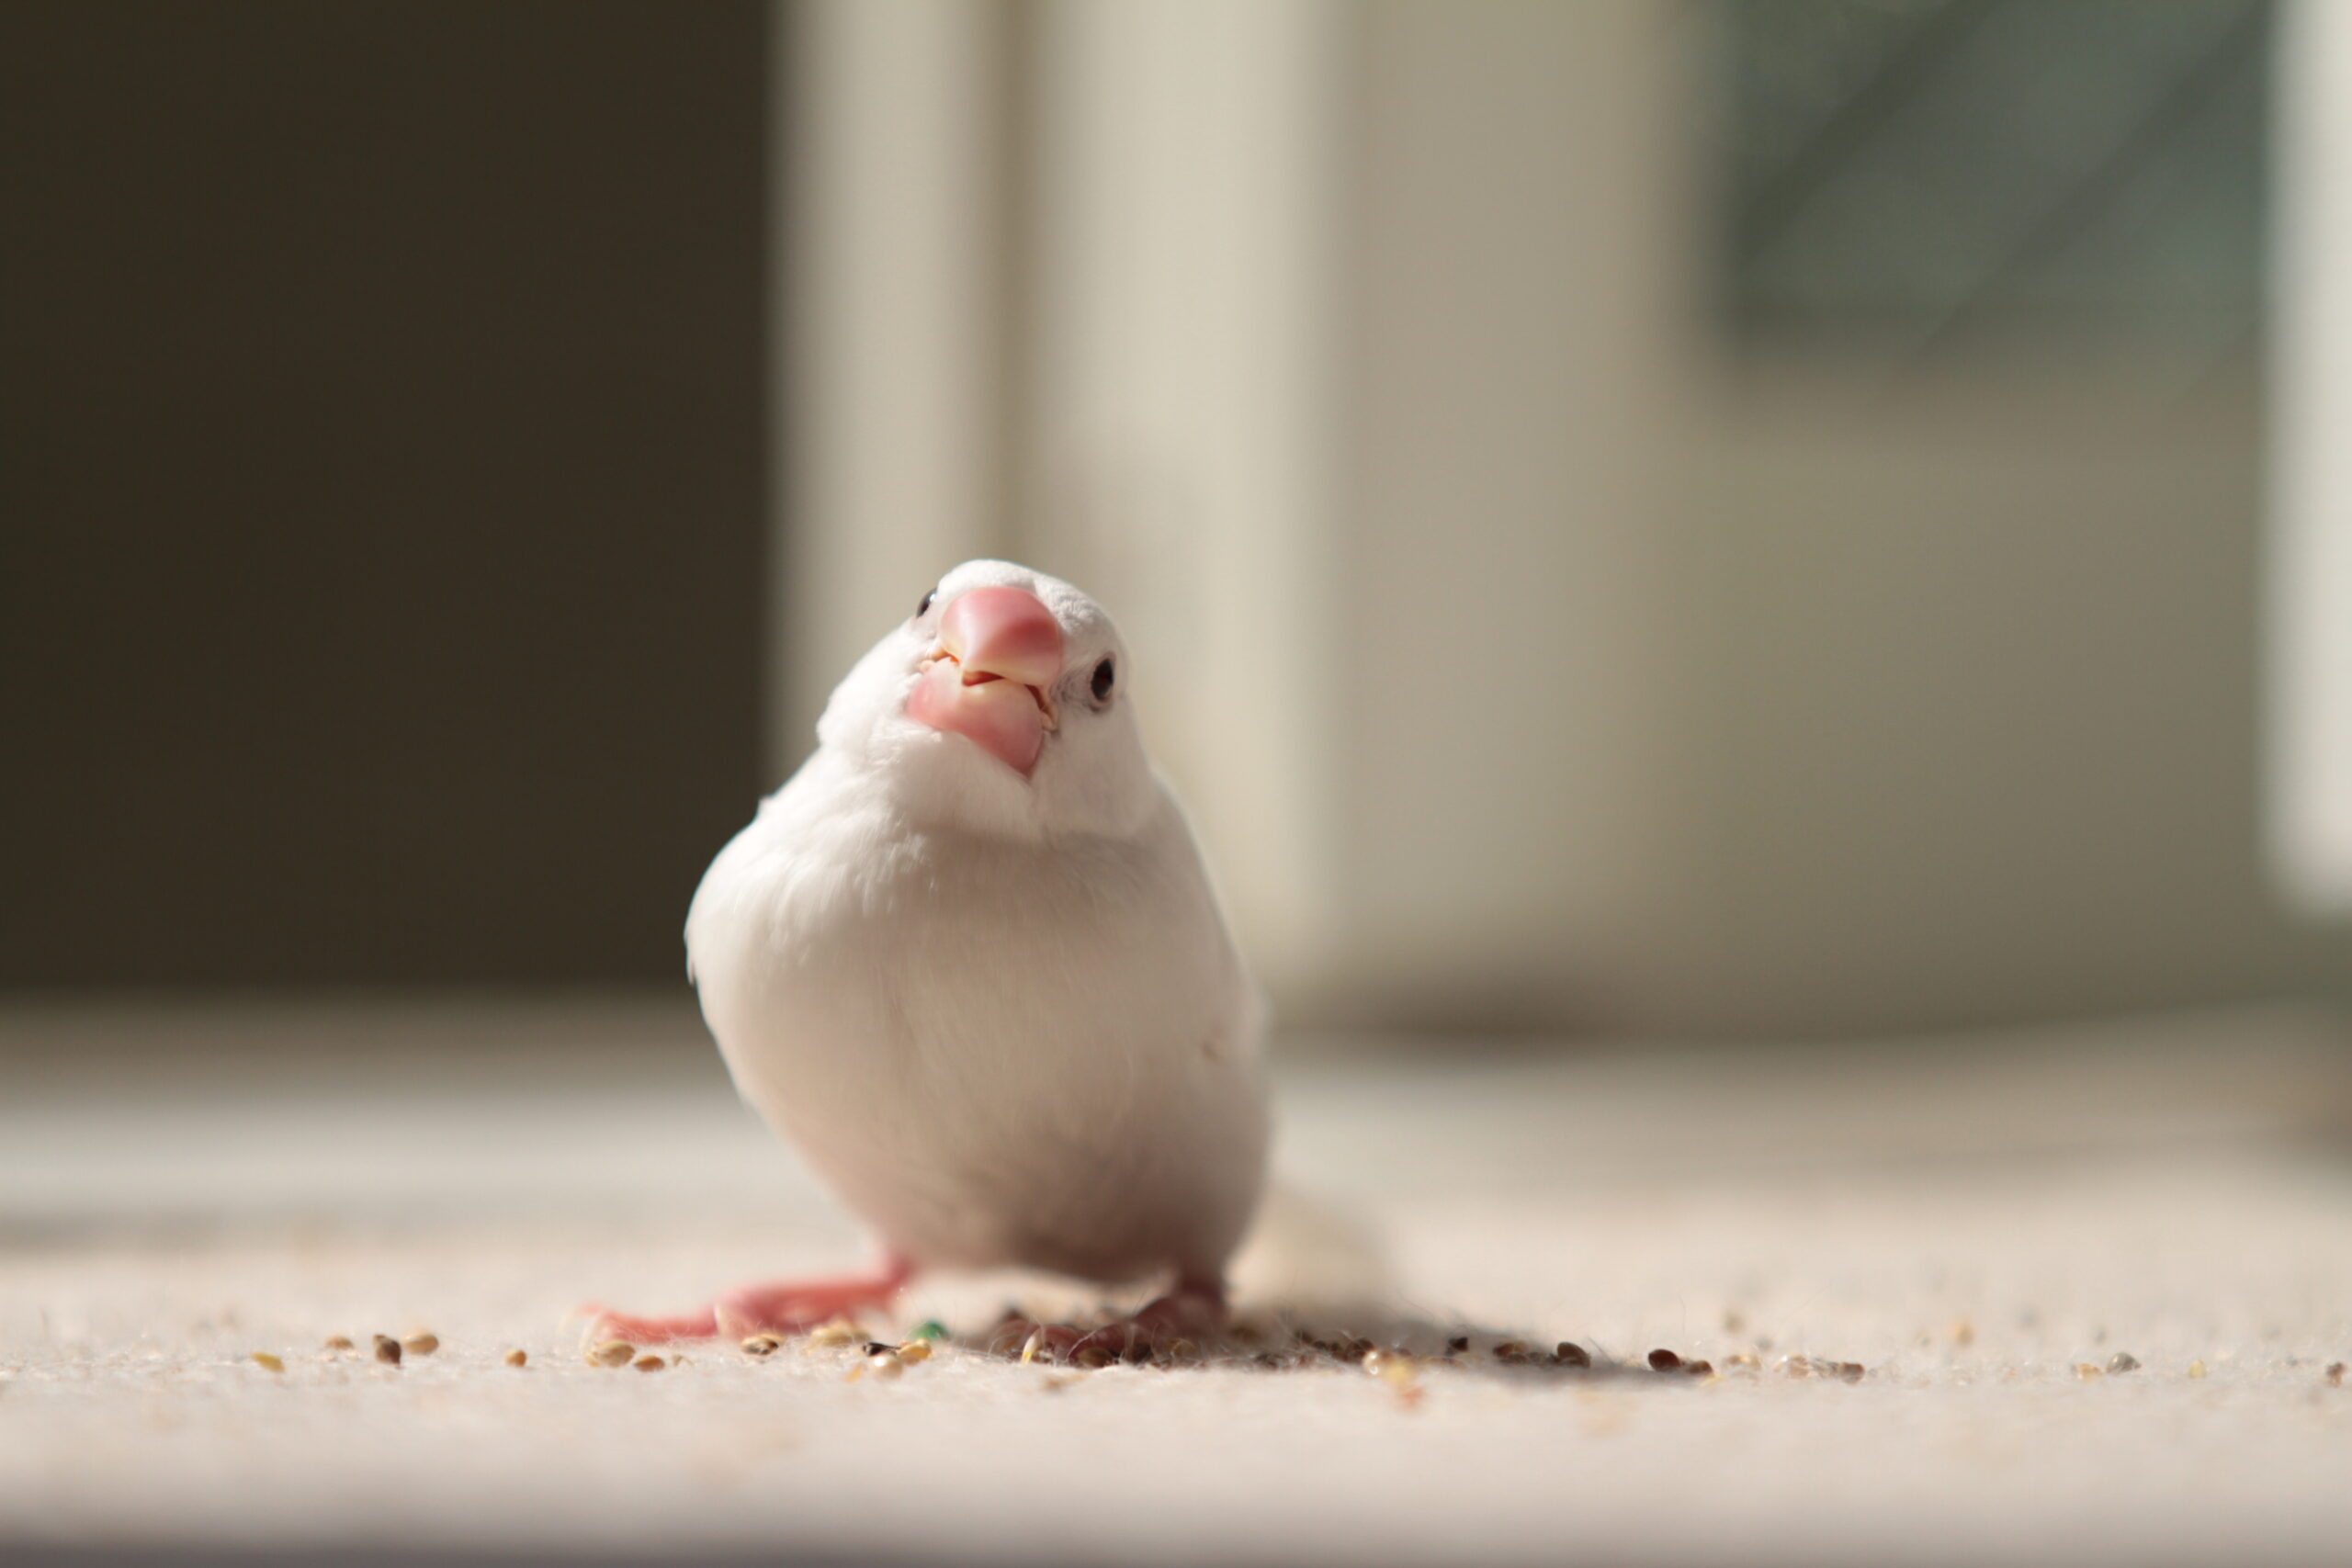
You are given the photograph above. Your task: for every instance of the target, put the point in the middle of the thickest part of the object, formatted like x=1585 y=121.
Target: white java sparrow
x=969 y=960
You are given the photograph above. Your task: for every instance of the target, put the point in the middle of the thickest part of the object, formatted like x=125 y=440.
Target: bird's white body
x=999 y=1016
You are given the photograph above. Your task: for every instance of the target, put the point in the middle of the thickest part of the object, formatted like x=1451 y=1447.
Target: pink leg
x=1193 y=1310
x=789 y=1307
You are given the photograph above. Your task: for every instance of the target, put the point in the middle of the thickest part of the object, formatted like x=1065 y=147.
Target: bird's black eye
x=924 y=608
x=1105 y=674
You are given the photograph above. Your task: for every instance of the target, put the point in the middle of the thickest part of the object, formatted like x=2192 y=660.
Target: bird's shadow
x=1387 y=1339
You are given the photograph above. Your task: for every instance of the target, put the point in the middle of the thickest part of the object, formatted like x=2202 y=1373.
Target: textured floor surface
x=1985 y=1228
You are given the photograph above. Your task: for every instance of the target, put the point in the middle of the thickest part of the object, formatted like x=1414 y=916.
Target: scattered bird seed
x=2124 y=1362
x=1458 y=1344
x=338 y=1342
x=421 y=1344
x=387 y=1350
x=1568 y=1353
x=876 y=1347
x=930 y=1329
x=919 y=1349
x=841 y=1331
x=2087 y=1372
x=1700 y=1368
x=885 y=1363
x=613 y=1353
x=2336 y=1374
x=1796 y=1366
x=1029 y=1348
x=760 y=1345
x=1093 y=1358
x=1851 y=1371
x=1179 y=1350
x=1509 y=1349
x=2196 y=1369
x=649 y=1363
x=1399 y=1371
x=1741 y=1358
x=516 y=1359
x=1664 y=1360
x=268 y=1363
x=1962 y=1332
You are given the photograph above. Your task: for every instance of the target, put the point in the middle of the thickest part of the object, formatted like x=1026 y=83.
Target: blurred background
x=1802 y=518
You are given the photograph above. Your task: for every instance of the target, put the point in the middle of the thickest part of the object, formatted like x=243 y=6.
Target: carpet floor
x=2073 y=1296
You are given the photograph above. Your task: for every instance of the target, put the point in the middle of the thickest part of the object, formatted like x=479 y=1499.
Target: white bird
x=969 y=961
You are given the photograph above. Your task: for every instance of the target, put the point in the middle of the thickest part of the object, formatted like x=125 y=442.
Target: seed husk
x=760 y=1345
x=516 y=1359
x=2124 y=1362
x=1700 y=1368
x=421 y=1344
x=1962 y=1332
x=387 y=1350
x=2087 y=1372
x=1093 y=1358
x=1458 y=1344
x=338 y=1342
x=1568 y=1353
x=1399 y=1371
x=1851 y=1370
x=1797 y=1366
x=613 y=1353
x=914 y=1351
x=841 y=1331
x=2196 y=1369
x=1029 y=1348
x=885 y=1364
x=1664 y=1360
x=649 y=1363
x=268 y=1363
x=2336 y=1374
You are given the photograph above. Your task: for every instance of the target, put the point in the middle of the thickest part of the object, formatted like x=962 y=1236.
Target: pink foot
x=792 y=1307
x=1193 y=1310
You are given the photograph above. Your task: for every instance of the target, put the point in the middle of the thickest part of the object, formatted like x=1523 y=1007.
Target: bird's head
x=1000 y=705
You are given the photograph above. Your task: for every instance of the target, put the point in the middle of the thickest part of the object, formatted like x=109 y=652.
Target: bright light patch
x=2310 y=826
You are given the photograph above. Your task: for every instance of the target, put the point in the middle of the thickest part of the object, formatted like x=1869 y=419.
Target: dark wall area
x=380 y=486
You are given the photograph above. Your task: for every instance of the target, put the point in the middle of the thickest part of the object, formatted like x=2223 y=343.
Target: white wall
x=1530 y=664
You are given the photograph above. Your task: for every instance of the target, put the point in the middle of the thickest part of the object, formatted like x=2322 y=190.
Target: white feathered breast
x=996 y=1052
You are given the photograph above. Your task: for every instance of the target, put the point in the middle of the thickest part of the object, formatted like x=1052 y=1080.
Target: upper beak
x=1000 y=648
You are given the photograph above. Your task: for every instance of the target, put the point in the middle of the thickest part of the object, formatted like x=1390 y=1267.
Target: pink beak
x=1000 y=648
